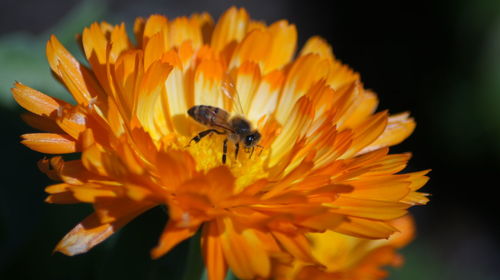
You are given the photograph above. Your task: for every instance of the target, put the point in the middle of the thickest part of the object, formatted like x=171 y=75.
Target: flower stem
x=194 y=263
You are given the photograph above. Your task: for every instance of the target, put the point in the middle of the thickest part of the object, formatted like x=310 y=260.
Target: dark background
x=440 y=60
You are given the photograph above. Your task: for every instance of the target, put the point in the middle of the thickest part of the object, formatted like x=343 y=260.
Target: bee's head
x=252 y=139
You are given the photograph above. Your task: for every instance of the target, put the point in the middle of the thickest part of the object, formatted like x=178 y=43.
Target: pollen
x=247 y=168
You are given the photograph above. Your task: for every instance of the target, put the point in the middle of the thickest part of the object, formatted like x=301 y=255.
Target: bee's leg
x=251 y=153
x=224 y=151
x=261 y=148
x=202 y=134
x=236 y=151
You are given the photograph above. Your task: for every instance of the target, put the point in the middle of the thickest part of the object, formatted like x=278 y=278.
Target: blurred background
x=440 y=61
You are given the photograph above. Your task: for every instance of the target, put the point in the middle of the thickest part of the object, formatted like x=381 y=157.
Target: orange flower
x=324 y=162
x=349 y=258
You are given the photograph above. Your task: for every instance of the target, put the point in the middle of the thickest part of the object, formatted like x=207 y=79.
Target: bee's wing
x=220 y=119
x=229 y=89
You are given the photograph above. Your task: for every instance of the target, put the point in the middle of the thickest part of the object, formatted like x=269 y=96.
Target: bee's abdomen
x=207 y=115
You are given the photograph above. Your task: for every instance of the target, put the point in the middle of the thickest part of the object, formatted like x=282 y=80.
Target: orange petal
x=171 y=236
x=366 y=228
x=154 y=50
x=119 y=42
x=206 y=24
x=406 y=231
x=41 y=123
x=363 y=105
x=392 y=188
x=297 y=245
x=91 y=232
x=75 y=76
x=72 y=120
x=254 y=48
x=212 y=252
x=50 y=143
x=95 y=46
x=366 y=208
x=154 y=24
x=366 y=133
x=398 y=128
x=243 y=251
x=62 y=198
x=128 y=72
x=35 y=101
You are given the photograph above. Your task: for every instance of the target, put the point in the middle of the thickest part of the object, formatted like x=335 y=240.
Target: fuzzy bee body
x=219 y=121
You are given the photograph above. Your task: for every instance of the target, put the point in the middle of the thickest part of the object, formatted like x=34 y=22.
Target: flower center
x=247 y=167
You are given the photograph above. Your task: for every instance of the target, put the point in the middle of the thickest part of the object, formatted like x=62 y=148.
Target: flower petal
x=231 y=27
x=171 y=236
x=35 y=101
x=243 y=251
x=75 y=76
x=398 y=128
x=212 y=252
x=50 y=143
x=91 y=232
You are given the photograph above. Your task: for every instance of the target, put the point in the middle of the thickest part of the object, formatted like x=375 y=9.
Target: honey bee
x=236 y=128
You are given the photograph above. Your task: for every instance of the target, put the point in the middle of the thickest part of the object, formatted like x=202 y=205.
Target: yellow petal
x=265 y=99
x=318 y=46
x=284 y=43
x=149 y=108
x=295 y=125
x=176 y=101
x=183 y=29
x=231 y=27
x=247 y=82
x=207 y=84
x=305 y=71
